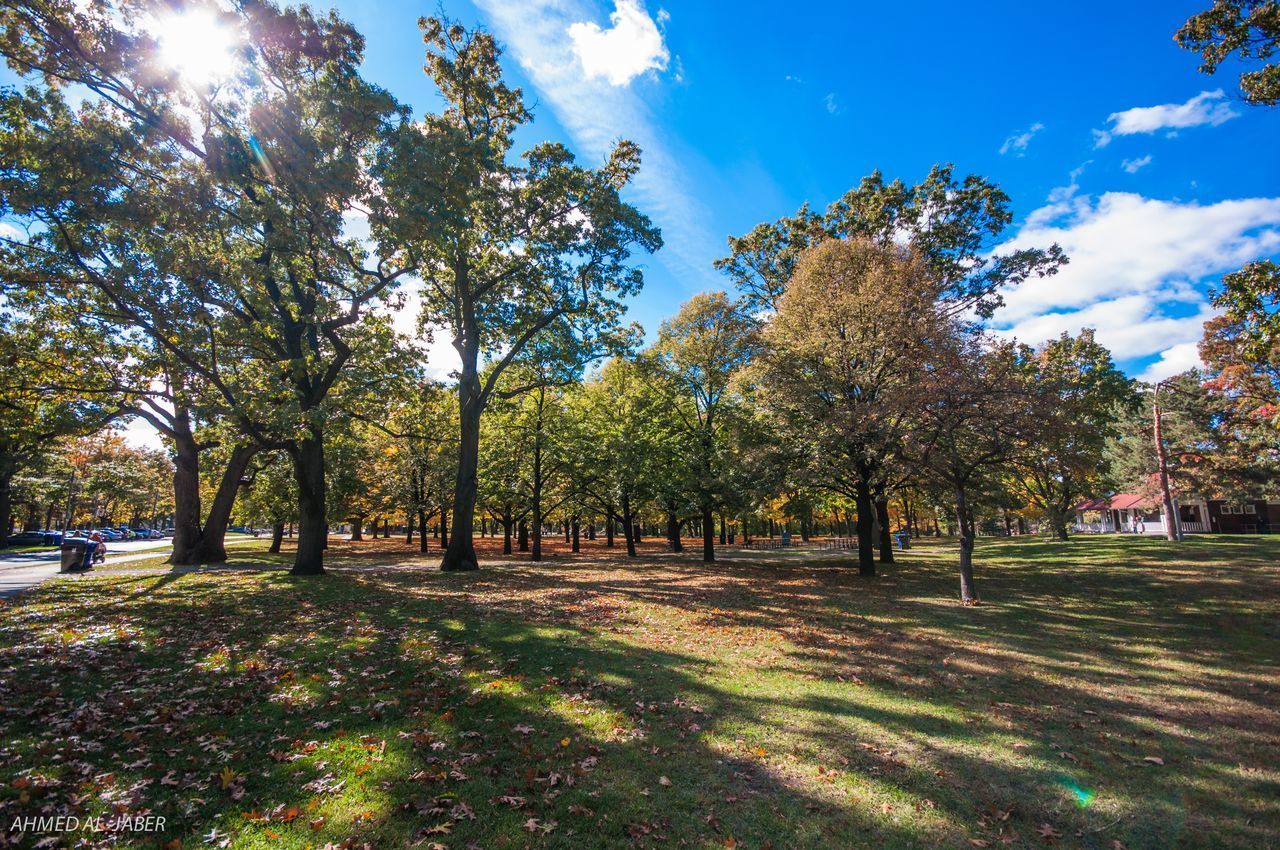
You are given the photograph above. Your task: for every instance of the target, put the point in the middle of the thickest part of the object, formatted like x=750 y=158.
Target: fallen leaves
x=1048 y=832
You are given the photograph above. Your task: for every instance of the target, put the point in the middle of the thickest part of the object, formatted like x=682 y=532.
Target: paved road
x=53 y=555
x=18 y=572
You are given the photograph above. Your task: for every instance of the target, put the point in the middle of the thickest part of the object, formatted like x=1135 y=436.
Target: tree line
x=221 y=258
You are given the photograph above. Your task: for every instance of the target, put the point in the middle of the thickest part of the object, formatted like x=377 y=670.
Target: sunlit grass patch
x=1108 y=690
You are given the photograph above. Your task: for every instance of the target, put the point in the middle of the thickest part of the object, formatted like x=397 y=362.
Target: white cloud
x=1172 y=361
x=12 y=232
x=1208 y=107
x=1133 y=166
x=832 y=105
x=1018 y=142
x=632 y=45
x=596 y=114
x=1138 y=267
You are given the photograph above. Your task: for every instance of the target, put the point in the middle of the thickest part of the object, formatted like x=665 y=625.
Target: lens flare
x=198 y=45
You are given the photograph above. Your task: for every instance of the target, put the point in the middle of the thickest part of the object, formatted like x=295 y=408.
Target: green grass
x=1108 y=690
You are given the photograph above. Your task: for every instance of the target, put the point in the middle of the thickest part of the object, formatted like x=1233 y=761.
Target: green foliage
x=1246 y=29
x=698 y=353
x=953 y=224
x=1077 y=393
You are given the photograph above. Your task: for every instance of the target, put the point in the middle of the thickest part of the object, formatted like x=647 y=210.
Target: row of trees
x=91 y=480
x=221 y=257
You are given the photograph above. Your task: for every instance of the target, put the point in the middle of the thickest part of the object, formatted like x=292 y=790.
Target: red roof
x=1119 y=502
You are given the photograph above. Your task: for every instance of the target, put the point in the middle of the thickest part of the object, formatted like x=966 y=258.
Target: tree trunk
x=886 y=537
x=207 y=544
x=1058 y=524
x=408 y=534
x=536 y=555
x=673 y=532
x=608 y=526
x=628 y=527
x=277 y=537
x=423 y=538
x=444 y=527
x=7 y=470
x=357 y=528
x=708 y=534
x=1172 y=530
x=522 y=536
x=313 y=524
x=575 y=530
x=507 y=522
x=866 y=549
x=212 y=548
x=461 y=551
x=186 y=490
x=968 y=593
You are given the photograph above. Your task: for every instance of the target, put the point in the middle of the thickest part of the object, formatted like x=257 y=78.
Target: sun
x=198 y=45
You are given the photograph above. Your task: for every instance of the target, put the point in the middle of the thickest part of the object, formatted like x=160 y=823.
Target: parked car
x=53 y=538
x=26 y=538
x=109 y=535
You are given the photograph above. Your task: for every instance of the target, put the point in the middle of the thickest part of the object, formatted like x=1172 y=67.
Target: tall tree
x=512 y=248
x=1077 y=391
x=226 y=195
x=974 y=419
x=844 y=360
x=1246 y=29
x=698 y=353
x=1241 y=350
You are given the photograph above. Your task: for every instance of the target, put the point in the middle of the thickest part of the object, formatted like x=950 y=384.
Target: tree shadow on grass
x=910 y=705
x=138 y=696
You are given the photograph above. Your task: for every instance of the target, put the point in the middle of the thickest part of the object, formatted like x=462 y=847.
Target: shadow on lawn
x=1161 y=664
x=443 y=707
x=941 y=693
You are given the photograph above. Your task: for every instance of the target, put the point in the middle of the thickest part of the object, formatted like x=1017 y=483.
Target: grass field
x=1109 y=693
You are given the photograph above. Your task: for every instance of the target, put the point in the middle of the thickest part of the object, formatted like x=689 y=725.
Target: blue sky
x=1153 y=177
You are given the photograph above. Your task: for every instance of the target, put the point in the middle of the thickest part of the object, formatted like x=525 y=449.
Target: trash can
x=77 y=554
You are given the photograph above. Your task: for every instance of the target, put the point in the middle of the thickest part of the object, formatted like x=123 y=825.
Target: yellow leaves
x=227 y=777
x=564 y=742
